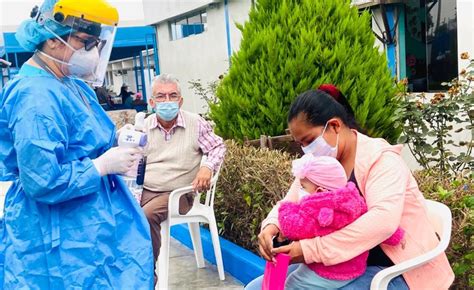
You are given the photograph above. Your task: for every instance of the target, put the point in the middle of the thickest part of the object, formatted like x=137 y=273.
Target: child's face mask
x=302 y=193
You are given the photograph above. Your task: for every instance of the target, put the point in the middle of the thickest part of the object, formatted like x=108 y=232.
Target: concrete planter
x=239 y=262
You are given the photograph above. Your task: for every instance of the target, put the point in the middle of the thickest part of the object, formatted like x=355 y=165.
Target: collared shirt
x=209 y=143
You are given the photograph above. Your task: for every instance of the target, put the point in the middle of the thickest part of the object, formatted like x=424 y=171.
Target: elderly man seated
x=177 y=141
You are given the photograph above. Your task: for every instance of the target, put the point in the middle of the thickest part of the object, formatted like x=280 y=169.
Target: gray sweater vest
x=172 y=164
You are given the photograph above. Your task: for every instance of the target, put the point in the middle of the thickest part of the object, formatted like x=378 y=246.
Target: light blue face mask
x=167 y=111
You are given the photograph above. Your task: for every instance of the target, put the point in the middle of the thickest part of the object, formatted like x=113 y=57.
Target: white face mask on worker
x=82 y=62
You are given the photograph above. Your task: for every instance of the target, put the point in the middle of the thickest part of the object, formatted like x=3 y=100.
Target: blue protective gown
x=64 y=226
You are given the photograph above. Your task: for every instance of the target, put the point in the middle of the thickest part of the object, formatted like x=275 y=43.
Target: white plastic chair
x=440 y=217
x=199 y=213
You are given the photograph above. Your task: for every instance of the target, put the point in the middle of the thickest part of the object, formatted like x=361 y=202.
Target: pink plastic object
x=274 y=276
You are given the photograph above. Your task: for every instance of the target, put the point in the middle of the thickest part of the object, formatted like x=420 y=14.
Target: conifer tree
x=290 y=46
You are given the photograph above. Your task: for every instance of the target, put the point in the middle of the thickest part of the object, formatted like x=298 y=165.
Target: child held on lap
x=327 y=202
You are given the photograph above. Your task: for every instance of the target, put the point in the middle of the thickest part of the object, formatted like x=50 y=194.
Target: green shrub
x=252 y=180
x=428 y=126
x=458 y=195
x=290 y=46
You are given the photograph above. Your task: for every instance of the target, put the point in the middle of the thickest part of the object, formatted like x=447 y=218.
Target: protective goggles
x=91 y=42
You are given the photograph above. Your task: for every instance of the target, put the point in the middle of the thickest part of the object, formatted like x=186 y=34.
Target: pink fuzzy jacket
x=322 y=213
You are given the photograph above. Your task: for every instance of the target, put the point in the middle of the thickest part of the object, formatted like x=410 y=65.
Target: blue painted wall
x=391 y=48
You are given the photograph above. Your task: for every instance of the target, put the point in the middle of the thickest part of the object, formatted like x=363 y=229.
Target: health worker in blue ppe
x=69 y=221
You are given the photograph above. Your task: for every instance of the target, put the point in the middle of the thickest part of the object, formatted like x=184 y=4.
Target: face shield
x=89 y=43
x=87 y=50
x=2 y=45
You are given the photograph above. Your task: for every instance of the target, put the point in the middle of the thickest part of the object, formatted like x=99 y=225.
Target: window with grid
x=431 y=44
x=194 y=23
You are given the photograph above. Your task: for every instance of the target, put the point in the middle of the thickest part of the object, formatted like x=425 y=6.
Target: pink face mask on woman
x=319 y=146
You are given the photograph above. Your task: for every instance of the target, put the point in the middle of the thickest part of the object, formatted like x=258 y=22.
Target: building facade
x=196 y=39
x=132 y=60
x=422 y=39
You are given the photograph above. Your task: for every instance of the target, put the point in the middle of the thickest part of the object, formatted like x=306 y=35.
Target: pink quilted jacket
x=322 y=213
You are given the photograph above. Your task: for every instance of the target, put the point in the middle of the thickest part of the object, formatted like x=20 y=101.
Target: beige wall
x=203 y=56
x=465 y=13
x=159 y=10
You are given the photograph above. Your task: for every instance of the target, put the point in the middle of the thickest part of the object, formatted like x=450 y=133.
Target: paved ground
x=184 y=275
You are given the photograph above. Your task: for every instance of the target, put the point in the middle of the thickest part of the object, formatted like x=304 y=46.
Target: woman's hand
x=265 y=241
x=294 y=250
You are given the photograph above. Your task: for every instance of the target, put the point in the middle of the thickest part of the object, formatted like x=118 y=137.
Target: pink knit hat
x=323 y=171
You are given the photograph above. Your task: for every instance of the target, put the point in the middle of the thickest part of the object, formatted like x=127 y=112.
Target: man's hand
x=203 y=179
x=294 y=250
x=265 y=241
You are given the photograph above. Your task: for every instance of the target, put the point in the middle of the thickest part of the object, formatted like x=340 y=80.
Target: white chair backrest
x=441 y=218
x=209 y=201
x=211 y=192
